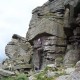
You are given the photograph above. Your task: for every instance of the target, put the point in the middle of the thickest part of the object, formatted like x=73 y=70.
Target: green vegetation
x=17 y=77
x=21 y=77
x=42 y=75
x=7 y=78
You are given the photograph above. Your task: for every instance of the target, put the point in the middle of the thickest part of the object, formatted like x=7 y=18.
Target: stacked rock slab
x=46 y=33
x=50 y=31
x=19 y=52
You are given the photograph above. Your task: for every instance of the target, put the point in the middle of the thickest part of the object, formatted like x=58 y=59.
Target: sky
x=14 y=19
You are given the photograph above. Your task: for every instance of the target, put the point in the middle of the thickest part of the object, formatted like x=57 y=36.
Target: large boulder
x=18 y=47
x=19 y=52
x=46 y=32
x=71 y=57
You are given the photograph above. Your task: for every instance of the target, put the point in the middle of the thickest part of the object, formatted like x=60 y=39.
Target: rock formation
x=53 y=37
x=53 y=29
x=19 y=52
x=46 y=33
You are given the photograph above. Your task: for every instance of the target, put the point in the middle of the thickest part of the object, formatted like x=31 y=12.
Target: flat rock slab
x=6 y=73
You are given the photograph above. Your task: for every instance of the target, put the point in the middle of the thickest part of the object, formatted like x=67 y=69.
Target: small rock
x=51 y=73
x=51 y=65
x=69 y=70
x=78 y=66
x=31 y=78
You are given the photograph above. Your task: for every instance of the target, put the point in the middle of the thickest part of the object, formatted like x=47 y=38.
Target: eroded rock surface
x=46 y=32
x=53 y=37
x=20 y=53
x=71 y=57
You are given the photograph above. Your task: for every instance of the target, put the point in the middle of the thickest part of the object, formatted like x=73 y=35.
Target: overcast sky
x=14 y=18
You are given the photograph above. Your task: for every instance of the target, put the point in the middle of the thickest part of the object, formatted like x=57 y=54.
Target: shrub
x=18 y=77
x=7 y=78
x=21 y=77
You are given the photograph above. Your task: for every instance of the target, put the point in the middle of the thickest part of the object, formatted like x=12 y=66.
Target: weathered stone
x=6 y=73
x=71 y=2
x=50 y=74
x=17 y=47
x=69 y=47
x=69 y=70
x=75 y=75
x=22 y=66
x=78 y=19
x=46 y=30
x=41 y=24
x=53 y=31
x=64 y=77
x=44 y=27
x=8 y=64
x=78 y=66
x=19 y=52
x=51 y=65
x=59 y=60
x=0 y=65
x=71 y=58
x=32 y=78
x=53 y=58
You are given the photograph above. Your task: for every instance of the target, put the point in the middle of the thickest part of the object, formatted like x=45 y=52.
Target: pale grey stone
x=71 y=58
x=19 y=52
x=64 y=77
x=6 y=72
x=77 y=66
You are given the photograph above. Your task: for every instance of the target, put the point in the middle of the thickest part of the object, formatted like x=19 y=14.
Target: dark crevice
x=77 y=10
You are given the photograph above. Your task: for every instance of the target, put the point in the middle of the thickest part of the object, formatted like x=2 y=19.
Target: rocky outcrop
x=46 y=33
x=53 y=30
x=19 y=52
x=17 y=47
x=45 y=19
x=53 y=37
